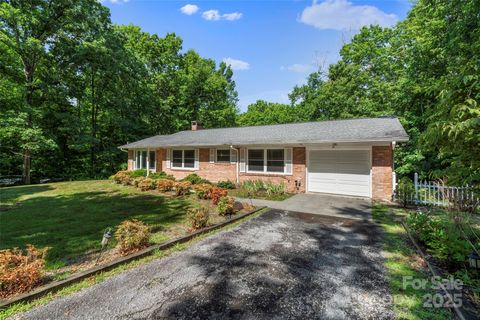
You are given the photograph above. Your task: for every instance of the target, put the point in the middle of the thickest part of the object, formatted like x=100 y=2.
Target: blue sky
x=271 y=45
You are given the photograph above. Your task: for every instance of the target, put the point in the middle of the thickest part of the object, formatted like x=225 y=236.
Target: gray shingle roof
x=352 y=130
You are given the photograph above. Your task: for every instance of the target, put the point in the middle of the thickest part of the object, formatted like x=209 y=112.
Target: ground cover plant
x=260 y=189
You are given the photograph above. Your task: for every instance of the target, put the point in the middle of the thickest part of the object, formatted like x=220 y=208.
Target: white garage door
x=339 y=171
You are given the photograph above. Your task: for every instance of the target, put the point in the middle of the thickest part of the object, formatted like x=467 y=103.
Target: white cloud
x=299 y=68
x=189 y=9
x=232 y=16
x=214 y=15
x=236 y=64
x=344 y=15
x=211 y=15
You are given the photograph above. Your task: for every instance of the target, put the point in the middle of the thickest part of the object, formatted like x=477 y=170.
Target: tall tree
x=30 y=29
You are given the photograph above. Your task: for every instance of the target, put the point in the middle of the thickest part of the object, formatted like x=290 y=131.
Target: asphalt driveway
x=277 y=265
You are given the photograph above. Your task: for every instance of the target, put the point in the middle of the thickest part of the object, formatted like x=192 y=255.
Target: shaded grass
x=401 y=261
x=70 y=217
x=25 y=306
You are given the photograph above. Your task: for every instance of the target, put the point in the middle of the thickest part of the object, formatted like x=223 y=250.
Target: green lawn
x=401 y=261
x=70 y=217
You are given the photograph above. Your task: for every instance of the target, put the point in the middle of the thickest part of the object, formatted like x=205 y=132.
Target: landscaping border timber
x=57 y=285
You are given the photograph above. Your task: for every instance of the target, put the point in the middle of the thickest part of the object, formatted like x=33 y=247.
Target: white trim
x=212 y=155
x=265 y=172
x=195 y=159
x=135 y=167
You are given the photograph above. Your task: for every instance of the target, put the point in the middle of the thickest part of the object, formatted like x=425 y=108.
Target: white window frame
x=222 y=161
x=183 y=160
x=136 y=151
x=247 y=160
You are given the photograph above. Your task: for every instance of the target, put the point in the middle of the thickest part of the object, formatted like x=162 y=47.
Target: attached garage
x=345 y=172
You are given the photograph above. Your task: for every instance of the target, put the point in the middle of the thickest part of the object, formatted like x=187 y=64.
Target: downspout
x=237 y=151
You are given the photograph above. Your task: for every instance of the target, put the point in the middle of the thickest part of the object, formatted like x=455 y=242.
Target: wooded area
x=74 y=86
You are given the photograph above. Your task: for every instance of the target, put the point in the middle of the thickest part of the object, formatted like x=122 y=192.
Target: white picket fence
x=437 y=193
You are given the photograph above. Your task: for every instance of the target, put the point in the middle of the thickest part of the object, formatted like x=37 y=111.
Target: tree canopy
x=74 y=86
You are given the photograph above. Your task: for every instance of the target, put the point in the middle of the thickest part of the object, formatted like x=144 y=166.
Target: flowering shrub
x=216 y=194
x=198 y=217
x=20 y=270
x=147 y=184
x=132 y=235
x=203 y=190
x=226 y=206
x=182 y=188
x=164 y=185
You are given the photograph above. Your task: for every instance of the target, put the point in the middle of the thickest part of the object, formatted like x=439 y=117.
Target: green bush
x=161 y=175
x=254 y=186
x=442 y=235
x=405 y=189
x=226 y=184
x=132 y=235
x=274 y=188
x=193 y=178
x=136 y=181
x=138 y=173
x=226 y=205
x=198 y=217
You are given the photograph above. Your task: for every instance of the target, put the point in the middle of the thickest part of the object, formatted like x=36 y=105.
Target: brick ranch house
x=347 y=157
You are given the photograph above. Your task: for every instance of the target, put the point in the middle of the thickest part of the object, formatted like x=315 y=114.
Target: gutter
x=237 y=151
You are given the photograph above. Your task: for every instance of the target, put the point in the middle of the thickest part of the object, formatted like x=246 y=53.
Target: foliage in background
x=20 y=270
x=227 y=184
x=132 y=235
x=405 y=190
x=74 y=86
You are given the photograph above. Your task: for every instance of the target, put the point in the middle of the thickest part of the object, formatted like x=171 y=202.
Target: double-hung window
x=266 y=160
x=141 y=159
x=223 y=155
x=183 y=159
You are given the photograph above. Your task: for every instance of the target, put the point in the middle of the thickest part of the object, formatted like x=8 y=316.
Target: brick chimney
x=196 y=126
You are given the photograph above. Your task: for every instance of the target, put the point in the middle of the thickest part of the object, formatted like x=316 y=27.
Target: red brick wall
x=130 y=160
x=227 y=171
x=382 y=168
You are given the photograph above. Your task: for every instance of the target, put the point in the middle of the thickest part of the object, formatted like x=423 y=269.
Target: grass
x=401 y=261
x=242 y=193
x=25 y=306
x=70 y=217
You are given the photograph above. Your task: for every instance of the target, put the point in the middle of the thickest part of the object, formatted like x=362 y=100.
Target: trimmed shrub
x=226 y=206
x=20 y=270
x=198 y=217
x=216 y=194
x=147 y=184
x=132 y=235
x=164 y=185
x=203 y=190
x=122 y=177
x=194 y=178
x=226 y=184
x=136 y=181
x=138 y=173
x=182 y=188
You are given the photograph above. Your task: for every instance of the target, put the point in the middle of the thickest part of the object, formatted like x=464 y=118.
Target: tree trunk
x=94 y=127
x=28 y=70
x=26 y=166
